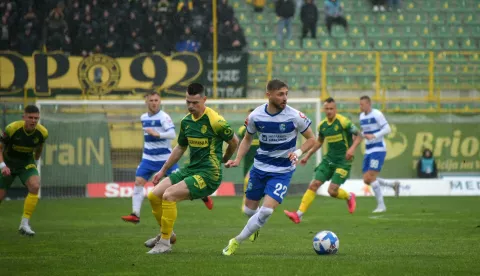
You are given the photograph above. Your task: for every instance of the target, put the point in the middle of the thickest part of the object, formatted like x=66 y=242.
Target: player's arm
x=38 y=152
x=244 y=147
x=176 y=154
x=306 y=147
x=231 y=148
x=4 y=138
x=316 y=146
x=169 y=134
x=384 y=129
x=352 y=129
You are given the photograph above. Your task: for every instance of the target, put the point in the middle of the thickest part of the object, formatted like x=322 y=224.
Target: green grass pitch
x=417 y=236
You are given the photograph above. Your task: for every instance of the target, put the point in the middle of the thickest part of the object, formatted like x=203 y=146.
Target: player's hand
x=350 y=154
x=369 y=136
x=6 y=171
x=232 y=163
x=151 y=132
x=304 y=161
x=157 y=177
x=293 y=158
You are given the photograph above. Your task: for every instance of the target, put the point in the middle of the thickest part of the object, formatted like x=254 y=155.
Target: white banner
x=408 y=187
x=463 y=185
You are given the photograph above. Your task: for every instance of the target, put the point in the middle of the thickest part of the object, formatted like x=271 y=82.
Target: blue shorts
x=148 y=168
x=266 y=183
x=373 y=161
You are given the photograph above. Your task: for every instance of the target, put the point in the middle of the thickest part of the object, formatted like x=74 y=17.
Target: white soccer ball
x=325 y=242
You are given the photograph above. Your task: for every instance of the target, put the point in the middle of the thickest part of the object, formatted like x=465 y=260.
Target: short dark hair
x=31 y=109
x=195 y=88
x=251 y=109
x=151 y=93
x=365 y=97
x=275 y=84
x=329 y=100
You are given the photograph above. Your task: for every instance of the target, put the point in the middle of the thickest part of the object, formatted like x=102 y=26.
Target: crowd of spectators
x=116 y=27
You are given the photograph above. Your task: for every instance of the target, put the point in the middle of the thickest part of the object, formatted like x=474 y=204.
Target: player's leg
x=29 y=178
x=323 y=173
x=191 y=187
x=275 y=190
x=253 y=194
x=5 y=183
x=137 y=200
x=394 y=184
x=372 y=164
x=339 y=177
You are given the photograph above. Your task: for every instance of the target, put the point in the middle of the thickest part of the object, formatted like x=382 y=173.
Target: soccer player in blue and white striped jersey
x=277 y=126
x=158 y=131
x=374 y=127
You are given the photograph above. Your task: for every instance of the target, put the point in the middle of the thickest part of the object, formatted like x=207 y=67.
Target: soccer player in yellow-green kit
x=338 y=132
x=21 y=146
x=203 y=131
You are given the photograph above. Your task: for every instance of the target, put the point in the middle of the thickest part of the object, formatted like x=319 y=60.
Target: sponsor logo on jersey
x=334 y=138
x=197 y=142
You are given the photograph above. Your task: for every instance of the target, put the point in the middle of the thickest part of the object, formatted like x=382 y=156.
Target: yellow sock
x=245 y=185
x=342 y=194
x=29 y=205
x=168 y=218
x=156 y=204
x=307 y=199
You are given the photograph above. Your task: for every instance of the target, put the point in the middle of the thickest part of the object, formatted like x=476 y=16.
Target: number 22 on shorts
x=280 y=190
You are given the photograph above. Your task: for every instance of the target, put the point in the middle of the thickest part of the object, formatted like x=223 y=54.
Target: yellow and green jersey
x=205 y=136
x=19 y=145
x=338 y=135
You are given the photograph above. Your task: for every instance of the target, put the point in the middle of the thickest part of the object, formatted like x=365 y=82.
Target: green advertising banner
x=77 y=150
x=454 y=140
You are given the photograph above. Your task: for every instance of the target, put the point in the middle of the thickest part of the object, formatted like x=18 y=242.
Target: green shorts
x=23 y=173
x=338 y=173
x=200 y=183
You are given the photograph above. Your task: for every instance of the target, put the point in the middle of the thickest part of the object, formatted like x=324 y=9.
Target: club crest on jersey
x=336 y=128
x=36 y=140
x=282 y=127
x=204 y=129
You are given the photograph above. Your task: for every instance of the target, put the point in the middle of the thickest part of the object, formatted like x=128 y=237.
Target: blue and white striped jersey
x=156 y=149
x=277 y=134
x=372 y=123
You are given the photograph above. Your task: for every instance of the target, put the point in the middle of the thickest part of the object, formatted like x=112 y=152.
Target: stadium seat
x=292 y=45
x=310 y=44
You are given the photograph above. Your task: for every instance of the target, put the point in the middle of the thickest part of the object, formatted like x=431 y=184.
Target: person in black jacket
x=309 y=16
x=426 y=166
x=285 y=9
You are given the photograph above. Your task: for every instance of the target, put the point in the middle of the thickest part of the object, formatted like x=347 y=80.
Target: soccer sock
x=342 y=194
x=254 y=223
x=307 y=200
x=168 y=218
x=384 y=182
x=156 y=204
x=29 y=205
x=378 y=193
x=249 y=212
x=137 y=199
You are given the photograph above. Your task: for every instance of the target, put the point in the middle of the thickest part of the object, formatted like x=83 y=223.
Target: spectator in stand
x=258 y=5
x=30 y=20
x=309 y=16
x=184 y=5
x=133 y=45
x=27 y=42
x=426 y=166
x=334 y=15
x=237 y=39
x=200 y=15
x=285 y=9
x=161 y=43
x=86 y=43
x=56 y=24
x=207 y=42
x=225 y=12
x=5 y=33
x=378 y=5
x=113 y=42
x=394 y=4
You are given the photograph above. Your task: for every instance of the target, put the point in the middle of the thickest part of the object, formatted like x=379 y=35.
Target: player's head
x=251 y=110
x=365 y=104
x=31 y=115
x=152 y=100
x=196 y=98
x=277 y=93
x=330 y=108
